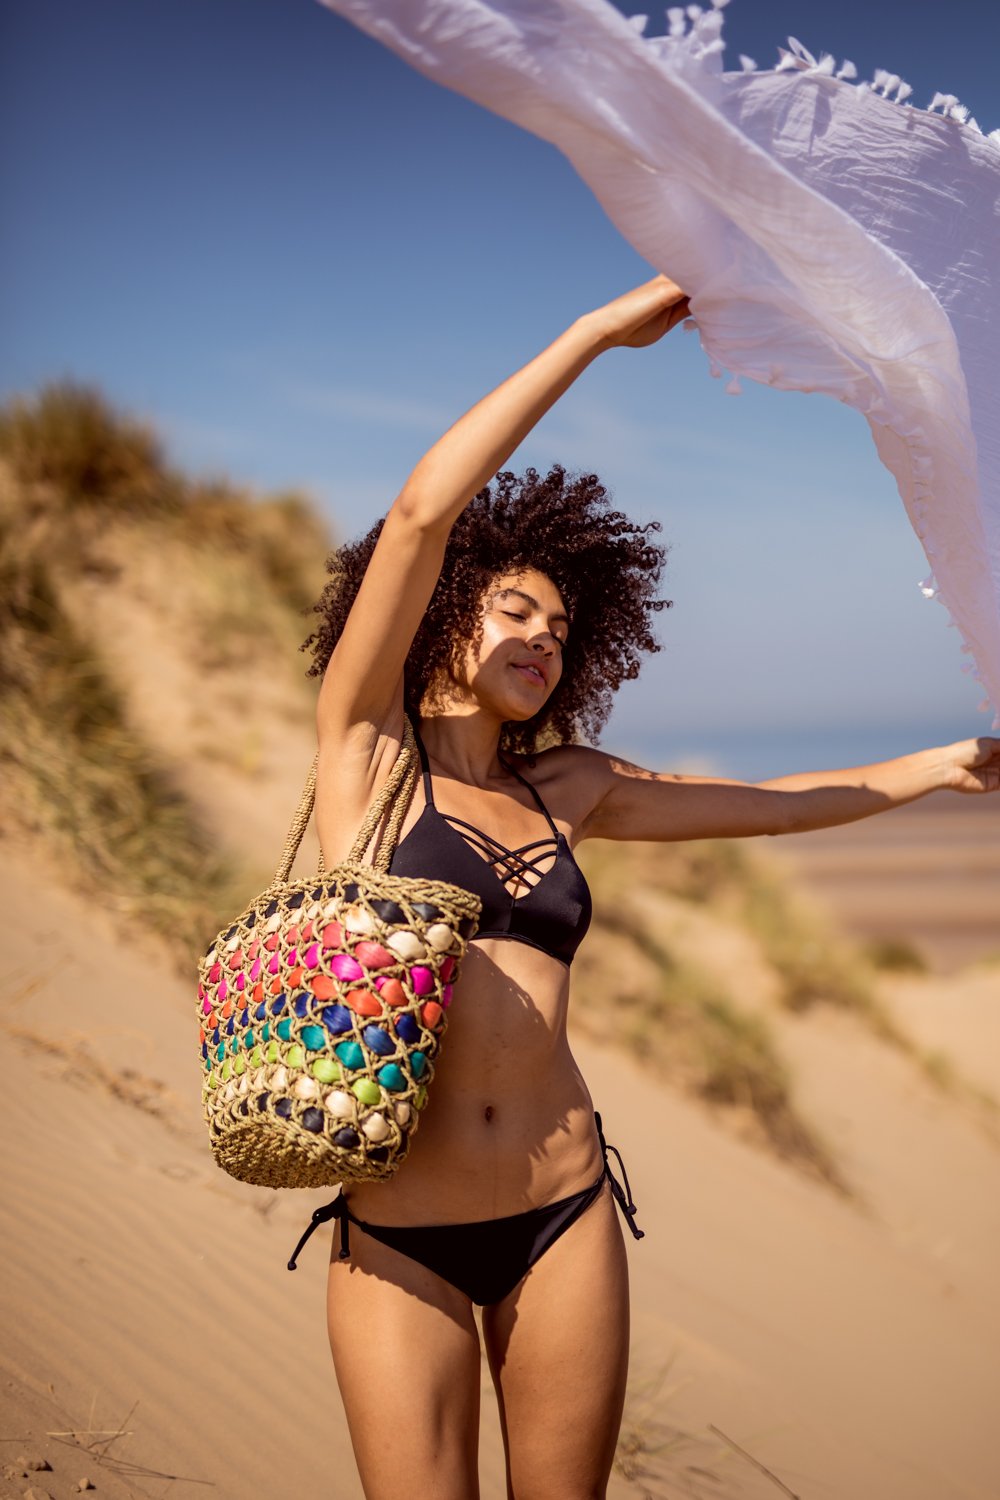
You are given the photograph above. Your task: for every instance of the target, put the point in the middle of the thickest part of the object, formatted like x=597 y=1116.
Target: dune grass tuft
x=78 y=474
x=895 y=955
x=69 y=447
x=663 y=1459
x=83 y=780
x=703 y=871
x=813 y=964
x=279 y=537
x=629 y=987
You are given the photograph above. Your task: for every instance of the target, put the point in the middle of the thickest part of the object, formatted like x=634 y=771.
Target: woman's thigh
x=407 y=1356
x=558 y=1350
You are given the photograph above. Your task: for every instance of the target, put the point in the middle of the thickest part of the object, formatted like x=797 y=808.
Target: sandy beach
x=788 y=1337
x=848 y=1345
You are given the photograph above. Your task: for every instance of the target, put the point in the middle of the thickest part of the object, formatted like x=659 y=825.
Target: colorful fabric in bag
x=322 y=1008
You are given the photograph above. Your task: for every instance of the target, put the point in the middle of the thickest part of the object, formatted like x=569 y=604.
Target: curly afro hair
x=604 y=565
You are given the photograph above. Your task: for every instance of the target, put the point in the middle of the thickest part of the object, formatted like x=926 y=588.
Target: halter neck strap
x=534 y=792
x=429 y=789
x=425 y=767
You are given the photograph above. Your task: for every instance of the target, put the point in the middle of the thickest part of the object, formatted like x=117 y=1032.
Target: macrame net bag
x=322 y=1007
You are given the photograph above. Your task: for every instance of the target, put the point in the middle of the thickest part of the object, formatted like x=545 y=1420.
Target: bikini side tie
x=622 y=1195
x=335 y=1210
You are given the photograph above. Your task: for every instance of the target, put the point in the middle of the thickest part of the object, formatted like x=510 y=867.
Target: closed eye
x=512 y=615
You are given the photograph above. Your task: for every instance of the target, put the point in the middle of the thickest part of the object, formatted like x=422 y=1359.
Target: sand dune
x=849 y=1346
x=959 y=1018
x=154 y=1341
x=928 y=872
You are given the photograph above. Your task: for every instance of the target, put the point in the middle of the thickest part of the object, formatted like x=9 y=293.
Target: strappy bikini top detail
x=552 y=911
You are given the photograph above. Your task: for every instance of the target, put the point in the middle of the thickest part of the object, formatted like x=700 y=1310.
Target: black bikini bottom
x=486 y=1259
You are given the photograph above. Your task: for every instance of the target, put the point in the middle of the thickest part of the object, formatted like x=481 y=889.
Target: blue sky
x=302 y=261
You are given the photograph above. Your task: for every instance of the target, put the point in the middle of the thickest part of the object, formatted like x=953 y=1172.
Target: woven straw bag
x=322 y=1007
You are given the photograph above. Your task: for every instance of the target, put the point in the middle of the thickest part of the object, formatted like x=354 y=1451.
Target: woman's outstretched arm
x=362 y=687
x=634 y=804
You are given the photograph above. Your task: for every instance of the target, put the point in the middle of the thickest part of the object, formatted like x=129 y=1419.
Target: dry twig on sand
x=755 y=1461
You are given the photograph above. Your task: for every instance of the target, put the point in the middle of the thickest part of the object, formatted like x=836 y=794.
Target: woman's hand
x=641 y=316
x=973 y=765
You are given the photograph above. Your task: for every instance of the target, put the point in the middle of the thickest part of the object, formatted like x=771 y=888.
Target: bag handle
x=394 y=798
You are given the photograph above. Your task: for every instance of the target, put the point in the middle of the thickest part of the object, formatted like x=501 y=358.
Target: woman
x=501 y=621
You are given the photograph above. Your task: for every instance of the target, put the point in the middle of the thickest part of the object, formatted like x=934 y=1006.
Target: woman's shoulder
x=572 y=776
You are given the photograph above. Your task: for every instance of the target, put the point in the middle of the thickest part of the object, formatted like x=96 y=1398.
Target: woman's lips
x=530 y=673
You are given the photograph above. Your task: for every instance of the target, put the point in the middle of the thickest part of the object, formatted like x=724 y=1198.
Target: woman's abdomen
x=509 y=1119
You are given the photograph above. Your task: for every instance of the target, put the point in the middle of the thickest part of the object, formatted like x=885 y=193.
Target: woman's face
x=514 y=668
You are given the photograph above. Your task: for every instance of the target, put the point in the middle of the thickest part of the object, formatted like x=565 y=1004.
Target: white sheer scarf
x=832 y=237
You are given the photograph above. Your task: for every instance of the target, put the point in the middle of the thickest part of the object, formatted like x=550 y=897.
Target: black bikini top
x=554 y=912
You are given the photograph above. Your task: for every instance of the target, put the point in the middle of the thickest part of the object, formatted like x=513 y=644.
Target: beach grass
x=631 y=988
x=659 y=1457
x=84 y=487
x=69 y=449
x=894 y=955
x=78 y=777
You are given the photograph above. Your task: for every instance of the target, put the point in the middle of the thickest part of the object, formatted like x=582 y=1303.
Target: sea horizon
x=758 y=754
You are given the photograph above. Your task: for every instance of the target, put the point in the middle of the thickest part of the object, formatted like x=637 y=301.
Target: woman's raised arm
x=362 y=687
